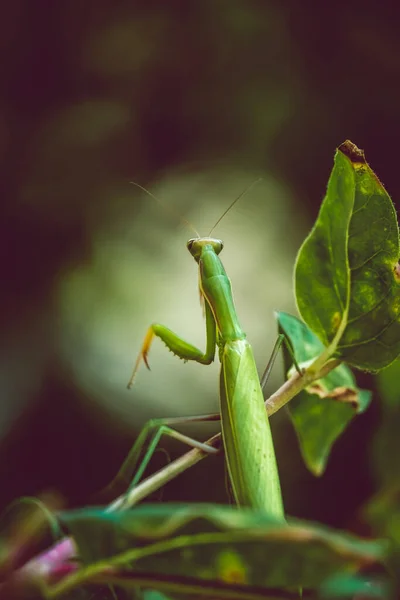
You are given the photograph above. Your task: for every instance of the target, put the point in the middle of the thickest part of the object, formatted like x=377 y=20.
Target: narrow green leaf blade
x=321 y=412
x=347 y=275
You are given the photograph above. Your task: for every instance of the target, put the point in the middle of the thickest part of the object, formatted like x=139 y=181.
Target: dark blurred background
x=194 y=100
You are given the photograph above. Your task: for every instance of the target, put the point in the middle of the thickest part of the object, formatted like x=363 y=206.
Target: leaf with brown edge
x=343 y=394
x=322 y=411
x=347 y=274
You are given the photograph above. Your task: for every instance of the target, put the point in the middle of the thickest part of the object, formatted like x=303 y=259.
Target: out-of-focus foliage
x=387 y=444
x=203 y=545
x=193 y=100
x=384 y=510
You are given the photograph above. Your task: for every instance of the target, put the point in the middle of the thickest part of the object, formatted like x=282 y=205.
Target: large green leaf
x=322 y=411
x=211 y=548
x=347 y=275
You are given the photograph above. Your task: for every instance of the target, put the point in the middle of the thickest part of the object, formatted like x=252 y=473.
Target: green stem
x=296 y=384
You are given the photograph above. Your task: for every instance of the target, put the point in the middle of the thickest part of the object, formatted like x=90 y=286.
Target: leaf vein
x=353 y=269
x=369 y=340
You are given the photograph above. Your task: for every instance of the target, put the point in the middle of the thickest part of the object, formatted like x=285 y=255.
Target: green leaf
x=321 y=412
x=211 y=548
x=347 y=275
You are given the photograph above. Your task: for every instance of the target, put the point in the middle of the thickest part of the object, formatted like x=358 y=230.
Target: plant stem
x=296 y=384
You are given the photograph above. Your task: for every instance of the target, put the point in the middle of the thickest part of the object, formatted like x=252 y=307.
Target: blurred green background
x=194 y=100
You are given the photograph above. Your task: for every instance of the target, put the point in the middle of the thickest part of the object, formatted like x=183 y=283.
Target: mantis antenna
x=167 y=208
x=232 y=204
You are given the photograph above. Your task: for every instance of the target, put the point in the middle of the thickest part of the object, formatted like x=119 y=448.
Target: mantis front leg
x=177 y=345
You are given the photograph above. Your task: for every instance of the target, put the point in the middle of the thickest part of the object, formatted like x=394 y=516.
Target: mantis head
x=196 y=245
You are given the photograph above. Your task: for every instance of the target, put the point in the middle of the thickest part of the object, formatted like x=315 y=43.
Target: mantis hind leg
x=123 y=481
x=282 y=339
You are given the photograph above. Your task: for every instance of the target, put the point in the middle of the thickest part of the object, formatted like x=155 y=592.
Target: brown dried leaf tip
x=346 y=395
x=357 y=158
x=352 y=152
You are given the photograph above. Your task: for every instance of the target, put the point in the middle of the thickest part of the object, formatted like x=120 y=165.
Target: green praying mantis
x=246 y=432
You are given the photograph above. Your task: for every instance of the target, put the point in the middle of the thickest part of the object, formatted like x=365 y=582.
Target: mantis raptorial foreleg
x=178 y=345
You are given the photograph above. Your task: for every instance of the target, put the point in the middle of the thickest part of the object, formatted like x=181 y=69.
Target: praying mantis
x=246 y=432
